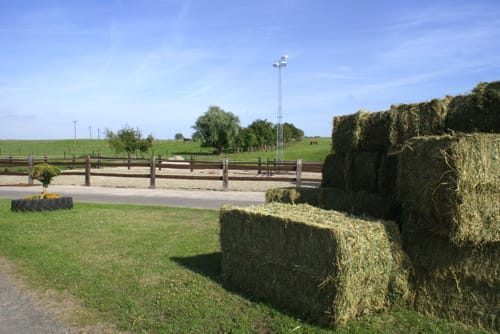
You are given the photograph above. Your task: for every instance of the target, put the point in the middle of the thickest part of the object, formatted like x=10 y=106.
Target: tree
x=264 y=132
x=217 y=128
x=292 y=133
x=246 y=139
x=129 y=140
x=179 y=136
x=44 y=173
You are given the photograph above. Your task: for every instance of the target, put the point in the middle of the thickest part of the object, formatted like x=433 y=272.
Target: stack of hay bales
x=449 y=188
x=433 y=168
x=314 y=262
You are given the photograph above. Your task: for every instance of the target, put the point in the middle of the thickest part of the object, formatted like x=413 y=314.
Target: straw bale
x=361 y=171
x=361 y=131
x=334 y=171
x=387 y=174
x=476 y=112
x=374 y=132
x=459 y=283
x=453 y=184
x=325 y=266
x=419 y=119
x=361 y=203
x=293 y=195
x=346 y=132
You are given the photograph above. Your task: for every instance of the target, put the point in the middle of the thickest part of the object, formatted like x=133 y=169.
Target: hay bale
x=452 y=282
x=361 y=131
x=419 y=119
x=314 y=262
x=453 y=183
x=476 y=112
x=374 y=132
x=334 y=171
x=360 y=203
x=347 y=132
x=387 y=174
x=293 y=195
x=361 y=171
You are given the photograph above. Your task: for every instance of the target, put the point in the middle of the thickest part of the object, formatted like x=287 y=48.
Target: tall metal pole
x=279 y=127
x=74 y=124
x=282 y=62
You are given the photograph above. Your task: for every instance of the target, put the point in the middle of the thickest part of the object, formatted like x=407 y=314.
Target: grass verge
x=156 y=270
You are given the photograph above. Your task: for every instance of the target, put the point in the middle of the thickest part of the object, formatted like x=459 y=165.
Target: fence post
x=128 y=162
x=298 y=173
x=98 y=160
x=152 y=173
x=159 y=161
x=45 y=158
x=73 y=165
x=260 y=166
x=30 y=169
x=87 y=171
x=225 y=173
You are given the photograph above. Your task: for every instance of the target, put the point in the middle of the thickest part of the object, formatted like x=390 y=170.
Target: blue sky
x=159 y=64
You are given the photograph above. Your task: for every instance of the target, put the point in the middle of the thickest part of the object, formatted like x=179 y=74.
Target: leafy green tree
x=292 y=133
x=179 y=136
x=264 y=132
x=217 y=128
x=246 y=139
x=129 y=140
x=44 y=173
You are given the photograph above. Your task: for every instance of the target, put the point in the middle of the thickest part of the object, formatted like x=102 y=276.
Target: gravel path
x=19 y=315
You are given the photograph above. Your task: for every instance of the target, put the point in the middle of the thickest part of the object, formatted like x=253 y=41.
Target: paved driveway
x=204 y=199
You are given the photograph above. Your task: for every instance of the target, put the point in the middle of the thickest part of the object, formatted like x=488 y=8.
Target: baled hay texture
x=361 y=131
x=387 y=174
x=420 y=119
x=334 y=171
x=293 y=195
x=460 y=283
x=360 y=203
x=374 y=132
x=346 y=132
x=323 y=265
x=476 y=112
x=453 y=184
x=361 y=171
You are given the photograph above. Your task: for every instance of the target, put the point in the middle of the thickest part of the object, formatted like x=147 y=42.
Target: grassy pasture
x=301 y=150
x=156 y=270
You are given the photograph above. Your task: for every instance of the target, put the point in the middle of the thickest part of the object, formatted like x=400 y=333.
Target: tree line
x=221 y=130
x=215 y=128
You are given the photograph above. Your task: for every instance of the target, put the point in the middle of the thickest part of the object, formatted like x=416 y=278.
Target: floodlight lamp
x=275 y=65
x=284 y=58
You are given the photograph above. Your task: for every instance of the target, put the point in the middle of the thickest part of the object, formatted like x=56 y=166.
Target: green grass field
x=301 y=150
x=156 y=270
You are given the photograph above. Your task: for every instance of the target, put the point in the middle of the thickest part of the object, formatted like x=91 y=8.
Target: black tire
x=41 y=204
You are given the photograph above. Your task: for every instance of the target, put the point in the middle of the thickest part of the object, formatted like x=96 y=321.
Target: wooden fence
x=269 y=170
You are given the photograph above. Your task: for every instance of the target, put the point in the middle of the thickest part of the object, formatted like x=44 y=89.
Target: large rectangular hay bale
x=453 y=184
x=419 y=119
x=293 y=195
x=361 y=171
x=363 y=130
x=459 y=283
x=360 y=203
x=333 y=174
x=476 y=112
x=326 y=266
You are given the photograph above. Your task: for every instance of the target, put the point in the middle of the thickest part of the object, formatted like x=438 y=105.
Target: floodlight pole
x=282 y=62
x=74 y=125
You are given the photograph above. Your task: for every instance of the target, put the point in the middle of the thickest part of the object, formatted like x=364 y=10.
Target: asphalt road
x=203 y=199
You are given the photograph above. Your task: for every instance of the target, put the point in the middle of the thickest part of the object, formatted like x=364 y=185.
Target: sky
x=158 y=65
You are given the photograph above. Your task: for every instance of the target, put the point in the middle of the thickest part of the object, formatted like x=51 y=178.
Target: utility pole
x=90 y=132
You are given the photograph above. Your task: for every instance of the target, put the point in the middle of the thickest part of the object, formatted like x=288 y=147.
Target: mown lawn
x=166 y=148
x=156 y=270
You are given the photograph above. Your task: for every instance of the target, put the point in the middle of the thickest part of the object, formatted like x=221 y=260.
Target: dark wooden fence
x=268 y=170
